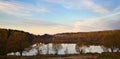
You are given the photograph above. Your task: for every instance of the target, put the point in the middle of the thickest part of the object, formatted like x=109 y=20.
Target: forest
x=17 y=40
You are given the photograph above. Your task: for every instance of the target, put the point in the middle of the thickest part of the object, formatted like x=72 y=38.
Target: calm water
x=70 y=47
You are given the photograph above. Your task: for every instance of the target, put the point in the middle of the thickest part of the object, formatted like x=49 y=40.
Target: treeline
x=108 y=39
x=18 y=41
x=14 y=40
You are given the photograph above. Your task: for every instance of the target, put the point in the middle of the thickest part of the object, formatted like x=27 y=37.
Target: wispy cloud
x=36 y=26
x=81 y=5
x=117 y=9
x=94 y=7
x=52 y=23
x=15 y=8
x=108 y=22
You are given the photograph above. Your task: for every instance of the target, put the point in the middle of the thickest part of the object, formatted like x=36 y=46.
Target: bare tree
x=56 y=47
x=38 y=48
x=77 y=47
x=38 y=45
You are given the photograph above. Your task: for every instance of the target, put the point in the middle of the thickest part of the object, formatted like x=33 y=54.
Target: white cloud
x=108 y=22
x=81 y=5
x=16 y=8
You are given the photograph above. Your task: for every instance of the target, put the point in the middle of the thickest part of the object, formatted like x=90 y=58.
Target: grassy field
x=73 y=56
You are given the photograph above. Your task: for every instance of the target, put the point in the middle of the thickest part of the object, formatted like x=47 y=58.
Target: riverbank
x=71 y=56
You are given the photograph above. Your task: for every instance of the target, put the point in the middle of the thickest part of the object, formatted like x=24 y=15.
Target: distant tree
x=38 y=43
x=56 y=48
x=22 y=43
x=77 y=47
x=46 y=38
x=3 y=41
x=18 y=42
x=38 y=48
x=12 y=43
x=111 y=40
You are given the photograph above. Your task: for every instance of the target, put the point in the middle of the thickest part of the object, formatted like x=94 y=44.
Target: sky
x=58 y=16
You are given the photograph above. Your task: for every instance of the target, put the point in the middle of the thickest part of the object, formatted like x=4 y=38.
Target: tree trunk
x=20 y=53
x=80 y=51
x=56 y=52
x=112 y=50
x=38 y=51
x=21 y=49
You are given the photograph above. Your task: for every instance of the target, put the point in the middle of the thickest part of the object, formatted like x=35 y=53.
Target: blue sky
x=56 y=16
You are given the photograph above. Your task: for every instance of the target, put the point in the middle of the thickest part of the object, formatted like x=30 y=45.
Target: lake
x=70 y=47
